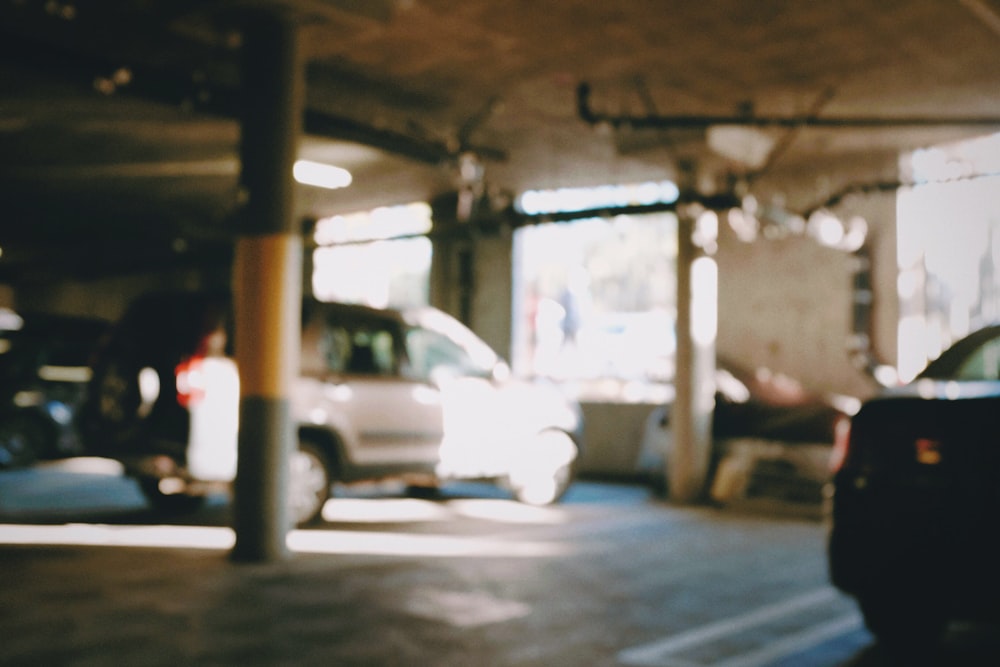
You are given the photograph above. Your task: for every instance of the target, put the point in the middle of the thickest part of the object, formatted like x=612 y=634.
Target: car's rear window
x=976 y=357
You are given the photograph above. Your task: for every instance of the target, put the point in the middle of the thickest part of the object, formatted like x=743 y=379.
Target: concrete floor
x=90 y=576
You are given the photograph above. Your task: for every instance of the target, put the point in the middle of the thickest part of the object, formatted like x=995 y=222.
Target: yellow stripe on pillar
x=268 y=290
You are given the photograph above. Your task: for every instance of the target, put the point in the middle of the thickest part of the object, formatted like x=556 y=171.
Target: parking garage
x=174 y=176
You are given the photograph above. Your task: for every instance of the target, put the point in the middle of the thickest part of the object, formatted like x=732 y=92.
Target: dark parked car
x=771 y=437
x=917 y=496
x=44 y=370
x=409 y=394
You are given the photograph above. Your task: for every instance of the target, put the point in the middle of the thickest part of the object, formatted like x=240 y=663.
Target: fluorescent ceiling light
x=567 y=200
x=321 y=175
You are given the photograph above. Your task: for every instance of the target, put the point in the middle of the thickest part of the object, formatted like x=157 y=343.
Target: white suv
x=411 y=394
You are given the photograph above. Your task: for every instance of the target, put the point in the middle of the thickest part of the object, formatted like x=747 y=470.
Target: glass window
x=335 y=347
x=372 y=353
x=983 y=364
x=361 y=348
x=431 y=352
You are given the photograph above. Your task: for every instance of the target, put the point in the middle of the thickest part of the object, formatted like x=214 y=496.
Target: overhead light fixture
x=826 y=228
x=833 y=232
x=773 y=221
x=747 y=145
x=567 y=200
x=321 y=175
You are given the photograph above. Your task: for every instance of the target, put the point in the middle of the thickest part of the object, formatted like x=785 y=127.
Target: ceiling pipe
x=694 y=121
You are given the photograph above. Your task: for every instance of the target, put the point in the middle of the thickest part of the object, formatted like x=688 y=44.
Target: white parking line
x=662 y=653
x=796 y=643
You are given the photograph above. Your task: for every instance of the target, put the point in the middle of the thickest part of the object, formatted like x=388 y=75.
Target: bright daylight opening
x=566 y=200
x=378 y=258
x=948 y=248
x=594 y=305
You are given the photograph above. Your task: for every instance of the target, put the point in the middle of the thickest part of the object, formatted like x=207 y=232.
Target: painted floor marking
x=662 y=653
x=796 y=643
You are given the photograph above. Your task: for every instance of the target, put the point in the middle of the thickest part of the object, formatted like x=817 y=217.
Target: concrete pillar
x=492 y=307
x=452 y=262
x=689 y=459
x=471 y=275
x=267 y=277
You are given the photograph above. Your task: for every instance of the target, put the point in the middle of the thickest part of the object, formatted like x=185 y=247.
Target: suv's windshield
x=430 y=352
x=437 y=342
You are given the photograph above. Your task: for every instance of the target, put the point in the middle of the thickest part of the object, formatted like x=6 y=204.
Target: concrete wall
x=491 y=305
x=787 y=304
x=614 y=433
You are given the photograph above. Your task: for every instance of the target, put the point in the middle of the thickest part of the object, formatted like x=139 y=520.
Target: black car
x=771 y=437
x=916 y=498
x=44 y=370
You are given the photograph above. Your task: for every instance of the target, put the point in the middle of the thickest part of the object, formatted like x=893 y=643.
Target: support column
x=452 y=262
x=267 y=277
x=689 y=459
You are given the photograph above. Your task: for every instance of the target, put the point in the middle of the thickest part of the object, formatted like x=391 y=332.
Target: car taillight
x=841 y=443
x=190 y=381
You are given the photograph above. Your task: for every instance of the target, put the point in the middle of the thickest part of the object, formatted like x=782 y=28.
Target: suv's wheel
x=309 y=483
x=544 y=477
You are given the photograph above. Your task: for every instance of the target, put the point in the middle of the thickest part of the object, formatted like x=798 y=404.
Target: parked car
x=916 y=497
x=410 y=394
x=771 y=437
x=44 y=370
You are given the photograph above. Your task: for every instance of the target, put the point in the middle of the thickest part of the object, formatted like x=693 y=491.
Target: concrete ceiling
x=117 y=117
